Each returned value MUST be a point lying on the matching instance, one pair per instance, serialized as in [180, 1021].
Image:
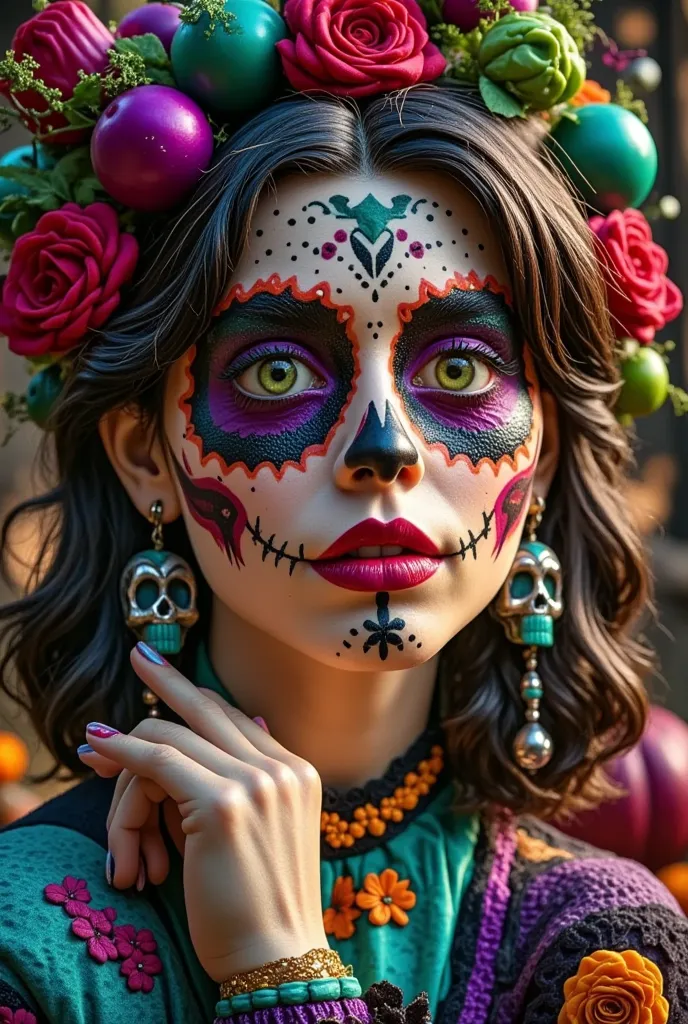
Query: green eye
[455, 373]
[277, 376]
[458, 372]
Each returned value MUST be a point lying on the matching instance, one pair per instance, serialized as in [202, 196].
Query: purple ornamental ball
[160, 19]
[151, 146]
[466, 14]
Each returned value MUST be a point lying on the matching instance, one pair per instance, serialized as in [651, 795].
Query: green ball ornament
[43, 391]
[645, 384]
[235, 68]
[608, 154]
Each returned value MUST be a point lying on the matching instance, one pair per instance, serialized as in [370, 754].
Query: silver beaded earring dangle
[158, 593]
[527, 606]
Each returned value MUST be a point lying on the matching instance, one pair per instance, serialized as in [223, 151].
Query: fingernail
[149, 654]
[259, 720]
[141, 877]
[102, 732]
[109, 868]
[85, 748]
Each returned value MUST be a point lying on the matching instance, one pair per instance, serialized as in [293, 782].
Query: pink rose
[64, 39]
[358, 47]
[640, 296]
[64, 279]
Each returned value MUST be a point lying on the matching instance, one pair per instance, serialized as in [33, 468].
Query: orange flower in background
[615, 988]
[590, 92]
[339, 918]
[386, 898]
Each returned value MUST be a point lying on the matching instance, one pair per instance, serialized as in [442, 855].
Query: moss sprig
[460, 49]
[578, 17]
[217, 15]
[625, 97]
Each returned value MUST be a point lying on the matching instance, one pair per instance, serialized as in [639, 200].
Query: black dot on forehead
[370, 323]
[429, 216]
[375, 335]
[365, 284]
[351, 266]
[275, 213]
[293, 259]
[481, 246]
[303, 209]
[379, 323]
[464, 231]
[448, 213]
[259, 232]
[304, 245]
[311, 220]
[253, 488]
[268, 252]
[291, 222]
[435, 205]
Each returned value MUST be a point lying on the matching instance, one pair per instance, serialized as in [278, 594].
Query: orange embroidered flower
[386, 898]
[615, 988]
[590, 92]
[339, 918]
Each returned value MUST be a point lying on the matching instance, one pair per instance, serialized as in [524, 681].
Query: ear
[548, 460]
[136, 451]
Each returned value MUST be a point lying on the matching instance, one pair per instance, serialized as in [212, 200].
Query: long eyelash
[247, 359]
[509, 369]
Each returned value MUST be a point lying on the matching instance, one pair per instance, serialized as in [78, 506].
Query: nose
[380, 451]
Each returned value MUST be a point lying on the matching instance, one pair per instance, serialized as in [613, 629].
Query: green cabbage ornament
[528, 62]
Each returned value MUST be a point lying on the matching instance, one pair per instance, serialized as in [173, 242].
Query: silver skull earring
[528, 604]
[158, 594]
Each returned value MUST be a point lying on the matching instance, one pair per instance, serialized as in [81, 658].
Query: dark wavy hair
[65, 638]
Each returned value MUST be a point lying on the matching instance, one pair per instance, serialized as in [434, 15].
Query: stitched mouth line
[281, 554]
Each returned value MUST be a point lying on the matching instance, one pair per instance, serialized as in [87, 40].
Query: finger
[101, 765]
[124, 835]
[123, 781]
[232, 731]
[199, 749]
[153, 849]
[266, 744]
[179, 776]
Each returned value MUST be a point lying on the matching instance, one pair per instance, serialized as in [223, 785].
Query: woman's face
[354, 441]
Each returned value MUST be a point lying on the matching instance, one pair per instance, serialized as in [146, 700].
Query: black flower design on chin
[382, 633]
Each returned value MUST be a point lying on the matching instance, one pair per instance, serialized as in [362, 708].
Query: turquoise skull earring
[528, 605]
[158, 593]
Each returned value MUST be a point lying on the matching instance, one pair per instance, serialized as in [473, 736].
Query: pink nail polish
[259, 720]
[100, 731]
[141, 877]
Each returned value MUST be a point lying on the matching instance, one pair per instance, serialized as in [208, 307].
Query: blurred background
[660, 490]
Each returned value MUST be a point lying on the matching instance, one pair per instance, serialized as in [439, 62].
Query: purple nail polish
[141, 877]
[149, 654]
[109, 868]
[100, 731]
[259, 720]
[85, 748]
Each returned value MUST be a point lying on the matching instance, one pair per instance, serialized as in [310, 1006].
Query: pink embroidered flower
[138, 971]
[96, 929]
[129, 941]
[358, 47]
[72, 894]
[8, 1016]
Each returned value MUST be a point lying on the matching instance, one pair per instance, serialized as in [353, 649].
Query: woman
[361, 362]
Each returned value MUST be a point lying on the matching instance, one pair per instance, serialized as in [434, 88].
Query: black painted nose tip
[382, 448]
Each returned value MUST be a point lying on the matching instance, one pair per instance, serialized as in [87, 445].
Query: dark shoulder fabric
[12, 1004]
[84, 809]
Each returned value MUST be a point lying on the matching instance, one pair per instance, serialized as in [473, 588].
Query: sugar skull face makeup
[354, 440]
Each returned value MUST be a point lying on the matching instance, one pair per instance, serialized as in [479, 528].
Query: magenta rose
[358, 47]
[64, 39]
[640, 296]
[64, 279]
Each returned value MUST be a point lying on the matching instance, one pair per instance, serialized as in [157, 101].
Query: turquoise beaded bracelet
[292, 993]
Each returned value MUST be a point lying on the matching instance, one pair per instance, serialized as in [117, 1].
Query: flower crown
[125, 119]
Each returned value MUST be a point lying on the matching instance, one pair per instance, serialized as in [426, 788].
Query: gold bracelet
[316, 963]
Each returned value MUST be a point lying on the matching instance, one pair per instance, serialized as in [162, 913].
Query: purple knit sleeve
[344, 1010]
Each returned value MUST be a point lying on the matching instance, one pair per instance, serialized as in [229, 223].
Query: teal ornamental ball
[24, 158]
[235, 68]
[42, 393]
[608, 154]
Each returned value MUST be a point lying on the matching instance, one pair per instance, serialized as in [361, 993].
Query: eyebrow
[278, 312]
[477, 311]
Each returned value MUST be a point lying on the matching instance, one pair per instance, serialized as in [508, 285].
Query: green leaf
[87, 191]
[75, 165]
[88, 92]
[29, 177]
[161, 76]
[498, 100]
[24, 222]
[147, 46]
[78, 118]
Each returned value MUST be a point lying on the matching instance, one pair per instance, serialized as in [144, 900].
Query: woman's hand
[249, 812]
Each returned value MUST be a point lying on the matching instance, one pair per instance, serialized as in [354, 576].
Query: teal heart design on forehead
[371, 216]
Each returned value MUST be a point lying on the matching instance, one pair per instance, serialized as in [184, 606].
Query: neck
[348, 725]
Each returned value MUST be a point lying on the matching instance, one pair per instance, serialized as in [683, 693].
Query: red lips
[420, 560]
